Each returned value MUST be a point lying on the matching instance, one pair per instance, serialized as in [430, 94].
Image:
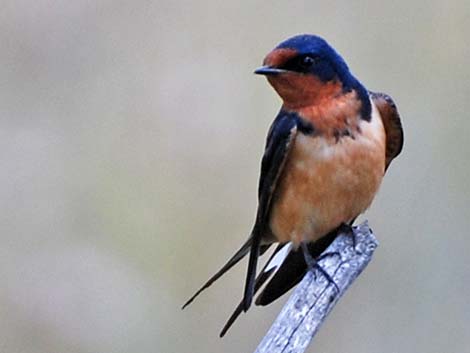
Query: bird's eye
[302, 63]
[307, 61]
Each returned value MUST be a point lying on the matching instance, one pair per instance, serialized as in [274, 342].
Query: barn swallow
[325, 156]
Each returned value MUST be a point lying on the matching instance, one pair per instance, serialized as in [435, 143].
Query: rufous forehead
[280, 56]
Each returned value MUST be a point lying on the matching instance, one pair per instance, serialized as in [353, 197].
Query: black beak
[268, 70]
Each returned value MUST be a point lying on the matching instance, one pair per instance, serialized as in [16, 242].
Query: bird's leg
[312, 264]
[348, 230]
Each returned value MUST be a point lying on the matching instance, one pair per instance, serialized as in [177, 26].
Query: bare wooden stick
[314, 296]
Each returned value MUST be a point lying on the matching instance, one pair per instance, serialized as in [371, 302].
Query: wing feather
[392, 124]
[280, 139]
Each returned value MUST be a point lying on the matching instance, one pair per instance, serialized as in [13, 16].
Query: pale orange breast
[327, 182]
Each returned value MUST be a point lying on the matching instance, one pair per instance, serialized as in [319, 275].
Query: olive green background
[130, 139]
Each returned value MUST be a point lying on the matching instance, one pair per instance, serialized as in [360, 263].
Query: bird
[325, 156]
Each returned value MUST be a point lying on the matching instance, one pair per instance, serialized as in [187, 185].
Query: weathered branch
[314, 296]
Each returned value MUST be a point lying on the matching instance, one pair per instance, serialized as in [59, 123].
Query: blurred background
[130, 140]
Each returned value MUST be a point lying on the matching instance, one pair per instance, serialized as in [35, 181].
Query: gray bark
[315, 296]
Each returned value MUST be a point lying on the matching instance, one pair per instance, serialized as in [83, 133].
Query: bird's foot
[348, 230]
[312, 264]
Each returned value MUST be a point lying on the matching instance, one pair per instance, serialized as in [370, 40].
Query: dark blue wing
[280, 136]
[280, 139]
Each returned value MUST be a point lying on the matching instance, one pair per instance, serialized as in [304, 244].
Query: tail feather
[240, 254]
[264, 275]
[284, 269]
[251, 273]
[292, 270]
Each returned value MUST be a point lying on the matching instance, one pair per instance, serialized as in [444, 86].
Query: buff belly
[327, 182]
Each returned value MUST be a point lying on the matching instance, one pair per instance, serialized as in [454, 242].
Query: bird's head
[305, 70]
